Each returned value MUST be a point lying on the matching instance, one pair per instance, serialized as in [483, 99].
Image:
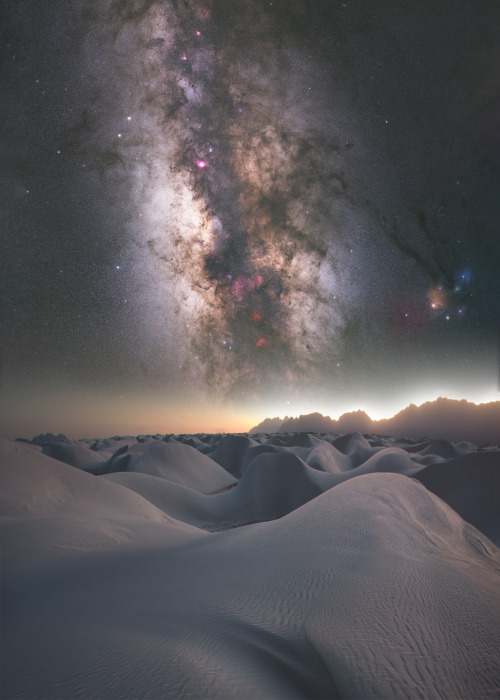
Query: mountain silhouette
[443, 418]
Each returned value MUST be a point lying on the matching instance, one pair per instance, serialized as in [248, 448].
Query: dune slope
[373, 588]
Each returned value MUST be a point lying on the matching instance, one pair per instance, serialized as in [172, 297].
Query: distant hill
[443, 418]
[313, 422]
[270, 425]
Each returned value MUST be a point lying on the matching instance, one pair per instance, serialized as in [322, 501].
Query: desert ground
[253, 567]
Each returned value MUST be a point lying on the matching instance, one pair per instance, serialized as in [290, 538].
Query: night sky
[218, 211]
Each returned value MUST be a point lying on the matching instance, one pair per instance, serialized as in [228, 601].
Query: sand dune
[355, 579]
[175, 462]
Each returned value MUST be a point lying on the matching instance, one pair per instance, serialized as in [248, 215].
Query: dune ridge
[252, 566]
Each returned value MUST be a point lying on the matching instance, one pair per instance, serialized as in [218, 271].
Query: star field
[218, 208]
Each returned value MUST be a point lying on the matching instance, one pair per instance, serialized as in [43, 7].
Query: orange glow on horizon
[77, 414]
[83, 415]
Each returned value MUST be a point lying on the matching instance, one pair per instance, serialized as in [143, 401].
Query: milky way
[256, 191]
[291, 206]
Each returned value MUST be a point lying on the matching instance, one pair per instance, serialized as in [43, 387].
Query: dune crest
[281, 566]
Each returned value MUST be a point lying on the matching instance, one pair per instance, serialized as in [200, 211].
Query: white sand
[370, 586]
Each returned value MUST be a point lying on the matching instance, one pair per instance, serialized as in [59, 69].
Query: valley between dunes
[264, 566]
